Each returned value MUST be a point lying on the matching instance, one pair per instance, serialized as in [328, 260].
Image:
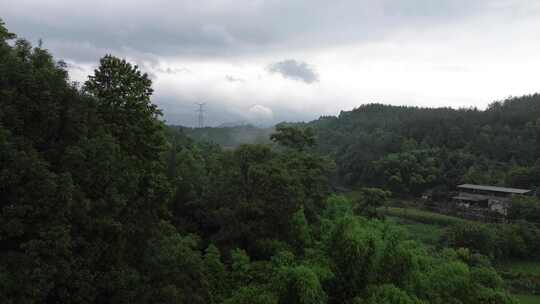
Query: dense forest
[101, 203]
[410, 150]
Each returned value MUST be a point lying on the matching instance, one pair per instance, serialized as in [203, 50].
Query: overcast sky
[269, 61]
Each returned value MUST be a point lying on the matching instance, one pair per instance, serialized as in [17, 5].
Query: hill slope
[413, 149]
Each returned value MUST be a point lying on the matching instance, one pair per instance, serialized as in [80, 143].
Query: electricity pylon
[200, 110]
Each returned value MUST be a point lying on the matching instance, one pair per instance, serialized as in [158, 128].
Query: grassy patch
[527, 299]
[422, 216]
[522, 277]
[423, 226]
[353, 195]
[525, 267]
[425, 233]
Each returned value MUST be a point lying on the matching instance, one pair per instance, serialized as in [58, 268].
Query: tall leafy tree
[123, 94]
[293, 137]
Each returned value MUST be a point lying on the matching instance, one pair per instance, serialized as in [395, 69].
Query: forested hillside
[100, 203]
[410, 150]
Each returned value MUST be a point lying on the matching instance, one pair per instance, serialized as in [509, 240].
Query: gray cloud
[392, 46]
[296, 70]
[87, 30]
[75, 66]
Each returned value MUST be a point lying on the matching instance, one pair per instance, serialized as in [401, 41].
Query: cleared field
[423, 226]
[422, 216]
[527, 299]
[428, 234]
[525, 267]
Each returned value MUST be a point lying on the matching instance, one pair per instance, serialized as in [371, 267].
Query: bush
[498, 241]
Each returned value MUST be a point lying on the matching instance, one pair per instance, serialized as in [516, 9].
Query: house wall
[498, 206]
[496, 201]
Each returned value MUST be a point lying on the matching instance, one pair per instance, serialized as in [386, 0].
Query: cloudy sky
[265, 61]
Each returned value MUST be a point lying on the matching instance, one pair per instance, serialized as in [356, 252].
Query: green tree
[300, 231]
[293, 137]
[303, 287]
[525, 208]
[37, 248]
[477, 237]
[354, 252]
[252, 295]
[371, 200]
[240, 267]
[388, 294]
[123, 101]
[216, 274]
[175, 269]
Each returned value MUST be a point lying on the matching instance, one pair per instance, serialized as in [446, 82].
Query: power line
[200, 110]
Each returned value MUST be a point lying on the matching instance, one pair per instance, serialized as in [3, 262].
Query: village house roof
[494, 189]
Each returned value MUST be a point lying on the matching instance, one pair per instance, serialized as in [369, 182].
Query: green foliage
[300, 231]
[293, 137]
[252, 295]
[429, 234]
[303, 287]
[499, 241]
[355, 252]
[525, 208]
[78, 202]
[123, 94]
[240, 267]
[409, 150]
[250, 197]
[388, 294]
[372, 199]
[216, 274]
[4, 33]
[409, 172]
[474, 236]
[337, 207]
[175, 268]
[372, 261]
[522, 266]
[449, 282]
[527, 299]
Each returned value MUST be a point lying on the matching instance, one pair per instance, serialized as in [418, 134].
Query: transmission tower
[200, 110]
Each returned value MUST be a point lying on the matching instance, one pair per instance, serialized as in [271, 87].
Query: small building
[496, 199]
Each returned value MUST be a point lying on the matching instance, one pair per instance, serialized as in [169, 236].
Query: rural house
[491, 198]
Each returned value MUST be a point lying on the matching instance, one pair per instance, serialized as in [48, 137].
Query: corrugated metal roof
[494, 189]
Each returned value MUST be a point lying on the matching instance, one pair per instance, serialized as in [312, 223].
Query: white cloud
[260, 114]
